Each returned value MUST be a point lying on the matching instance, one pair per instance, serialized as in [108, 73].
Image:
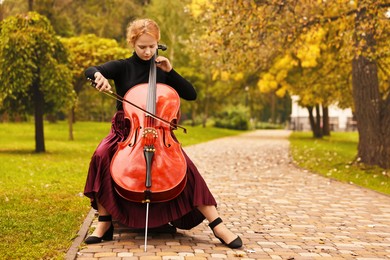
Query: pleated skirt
[182, 211]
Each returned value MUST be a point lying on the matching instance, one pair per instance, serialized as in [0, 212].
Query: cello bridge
[150, 132]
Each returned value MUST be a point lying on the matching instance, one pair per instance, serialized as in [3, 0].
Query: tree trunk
[372, 112]
[318, 129]
[1, 12]
[38, 114]
[314, 122]
[30, 5]
[325, 121]
[273, 107]
[172, 50]
[193, 114]
[70, 123]
[206, 110]
[206, 103]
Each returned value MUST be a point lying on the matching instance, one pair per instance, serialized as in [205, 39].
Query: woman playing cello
[195, 203]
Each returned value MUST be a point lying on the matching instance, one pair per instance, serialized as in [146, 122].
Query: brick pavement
[280, 211]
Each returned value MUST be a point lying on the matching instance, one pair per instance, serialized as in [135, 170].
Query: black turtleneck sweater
[132, 71]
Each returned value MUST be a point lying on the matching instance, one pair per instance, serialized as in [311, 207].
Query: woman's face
[145, 46]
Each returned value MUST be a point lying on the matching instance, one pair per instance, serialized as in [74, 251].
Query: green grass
[199, 134]
[41, 201]
[335, 157]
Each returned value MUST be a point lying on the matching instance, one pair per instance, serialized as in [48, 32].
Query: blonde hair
[140, 27]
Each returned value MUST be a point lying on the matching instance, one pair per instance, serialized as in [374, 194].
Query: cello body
[150, 164]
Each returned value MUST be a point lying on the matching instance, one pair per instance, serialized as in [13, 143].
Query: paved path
[280, 211]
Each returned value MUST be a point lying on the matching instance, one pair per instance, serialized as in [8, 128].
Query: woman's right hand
[102, 83]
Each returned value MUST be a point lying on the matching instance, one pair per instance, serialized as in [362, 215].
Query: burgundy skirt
[182, 211]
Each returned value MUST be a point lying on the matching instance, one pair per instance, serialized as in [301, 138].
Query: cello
[149, 166]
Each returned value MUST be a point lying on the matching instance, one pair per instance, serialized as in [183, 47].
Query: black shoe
[108, 235]
[236, 243]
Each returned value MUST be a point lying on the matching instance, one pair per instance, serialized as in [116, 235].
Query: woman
[195, 202]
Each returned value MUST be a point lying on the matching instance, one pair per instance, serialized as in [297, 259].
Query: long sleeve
[90, 72]
[110, 69]
[181, 85]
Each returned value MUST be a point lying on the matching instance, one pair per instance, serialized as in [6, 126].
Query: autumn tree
[312, 71]
[371, 95]
[34, 76]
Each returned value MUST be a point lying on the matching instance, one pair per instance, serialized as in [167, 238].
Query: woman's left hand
[163, 63]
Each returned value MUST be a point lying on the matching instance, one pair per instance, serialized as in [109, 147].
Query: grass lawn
[41, 201]
[335, 157]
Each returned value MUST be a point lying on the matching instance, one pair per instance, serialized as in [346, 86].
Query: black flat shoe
[236, 243]
[107, 236]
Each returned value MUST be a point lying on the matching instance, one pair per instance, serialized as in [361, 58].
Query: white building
[339, 119]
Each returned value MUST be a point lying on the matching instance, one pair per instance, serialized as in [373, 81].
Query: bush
[234, 117]
[267, 125]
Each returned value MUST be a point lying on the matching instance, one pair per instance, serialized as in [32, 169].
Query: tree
[85, 51]
[312, 71]
[372, 103]
[33, 71]
[173, 33]
[107, 19]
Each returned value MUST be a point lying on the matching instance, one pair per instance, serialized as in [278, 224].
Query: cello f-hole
[164, 138]
[135, 137]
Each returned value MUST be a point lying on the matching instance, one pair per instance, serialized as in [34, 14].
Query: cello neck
[152, 86]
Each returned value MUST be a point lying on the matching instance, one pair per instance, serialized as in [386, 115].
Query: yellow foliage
[262, 85]
[281, 92]
[308, 52]
[197, 7]
[273, 84]
[281, 75]
[238, 76]
[310, 49]
[225, 76]
[222, 75]
[285, 85]
[267, 83]
[285, 62]
[215, 75]
[309, 55]
[274, 79]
